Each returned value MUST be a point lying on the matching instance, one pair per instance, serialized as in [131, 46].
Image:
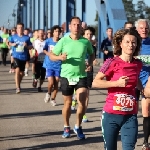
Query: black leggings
[4, 55]
[39, 71]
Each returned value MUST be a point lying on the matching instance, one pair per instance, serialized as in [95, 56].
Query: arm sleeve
[28, 42]
[45, 46]
[107, 67]
[11, 40]
[89, 48]
[102, 45]
[58, 47]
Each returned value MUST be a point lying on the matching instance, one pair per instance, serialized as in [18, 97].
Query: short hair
[39, 30]
[27, 29]
[20, 24]
[89, 28]
[54, 28]
[128, 22]
[35, 30]
[75, 17]
[118, 37]
[109, 28]
[142, 20]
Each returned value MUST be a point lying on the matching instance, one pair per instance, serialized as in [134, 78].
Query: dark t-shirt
[107, 45]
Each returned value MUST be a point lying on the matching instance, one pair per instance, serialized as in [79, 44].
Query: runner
[88, 34]
[52, 68]
[21, 44]
[39, 56]
[12, 69]
[128, 25]
[121, 73]
[106, 46]
[4, 45]
[72, 50]
[48, 33]
[143, 27]
[26, 32]
[32, 53]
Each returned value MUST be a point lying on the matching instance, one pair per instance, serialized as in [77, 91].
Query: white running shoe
[47, 98]
[26, 74]
[53, 102]
[10, 71]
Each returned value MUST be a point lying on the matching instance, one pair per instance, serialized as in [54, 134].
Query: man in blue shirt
[52, 67]
[21, 44]
[106, 46]
[143, 28]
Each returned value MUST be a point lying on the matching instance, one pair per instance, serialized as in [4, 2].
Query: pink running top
[121, 100]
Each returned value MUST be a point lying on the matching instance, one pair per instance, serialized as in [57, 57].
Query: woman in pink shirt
[122, 75]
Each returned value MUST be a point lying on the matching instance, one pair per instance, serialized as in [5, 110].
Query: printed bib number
[123, 102]
[41, 57]
[20, 48]
[145, 59]
[73, 81]
[51, 47]
[110, 48]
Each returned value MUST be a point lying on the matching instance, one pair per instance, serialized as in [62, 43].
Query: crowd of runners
[68, 58]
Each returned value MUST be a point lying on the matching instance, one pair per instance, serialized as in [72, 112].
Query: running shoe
[79, 133]
[53, 102]
[74, 103]
[34, 84]
[84, 119]
[26, 74]
[145, 146]
[66, 133]
[10, 71]
[39, 89]
[17, 90]
[47, 98]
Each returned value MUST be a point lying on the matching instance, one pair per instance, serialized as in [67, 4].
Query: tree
[140, 11]
[130, 10]
[147, 12]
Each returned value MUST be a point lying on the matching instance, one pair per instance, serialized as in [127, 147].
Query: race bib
[51, 47]
[145, 59]
[110, 48]
[20, 48]
[33, 51]
[73, 81]
[4, 40]
[123, 102]
[41, 57]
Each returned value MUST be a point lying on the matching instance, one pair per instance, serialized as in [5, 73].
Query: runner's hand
[63, 57]
[24, 44]
[122, 82]
[89, 68]
[14, 44]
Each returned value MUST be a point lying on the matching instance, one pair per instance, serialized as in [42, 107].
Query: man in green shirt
[72, 51]
[4, 46]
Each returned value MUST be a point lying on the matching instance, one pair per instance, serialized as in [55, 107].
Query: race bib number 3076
[123, 102]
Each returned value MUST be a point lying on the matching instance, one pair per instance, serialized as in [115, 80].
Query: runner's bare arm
[100, 82]
[54, 57]
[91, 59]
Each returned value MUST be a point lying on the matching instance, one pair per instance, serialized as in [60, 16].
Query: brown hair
[118, 37]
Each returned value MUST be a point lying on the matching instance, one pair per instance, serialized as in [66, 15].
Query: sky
[7, 6]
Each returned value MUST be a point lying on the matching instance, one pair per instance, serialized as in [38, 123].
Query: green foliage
[129, 9]
[136, 11]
